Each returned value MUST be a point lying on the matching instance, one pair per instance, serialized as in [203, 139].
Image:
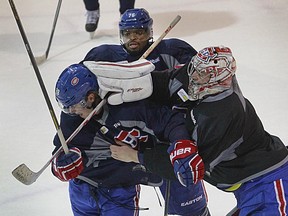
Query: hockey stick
[25, 175]
[167, 197]
[22, 172]
[41, 59]
[168, 29]
[234, 212]
[39, 78]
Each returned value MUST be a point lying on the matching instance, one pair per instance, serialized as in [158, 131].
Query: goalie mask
[73, 85]
[210, 72]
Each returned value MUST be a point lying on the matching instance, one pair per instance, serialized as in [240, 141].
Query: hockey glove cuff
[188, 165]
[68, 166]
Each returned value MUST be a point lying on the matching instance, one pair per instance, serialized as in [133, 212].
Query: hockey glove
[126, 81]
[125, 90]
[188, 165]
[68, 166]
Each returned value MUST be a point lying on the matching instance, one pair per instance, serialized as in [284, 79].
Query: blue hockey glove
[68, 166]
[188, 165]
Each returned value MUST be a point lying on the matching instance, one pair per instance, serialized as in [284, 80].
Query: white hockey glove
[127, 81]
[125, 90]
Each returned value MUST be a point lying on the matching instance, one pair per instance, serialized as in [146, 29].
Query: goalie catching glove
[126, 81]
[68, 166]
[188, 165]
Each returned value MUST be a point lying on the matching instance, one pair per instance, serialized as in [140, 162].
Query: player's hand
[124, 152]
[188, 165]
[68, 166]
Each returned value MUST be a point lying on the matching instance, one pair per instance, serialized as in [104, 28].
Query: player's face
[85, 106]
[82, 109]
[200, 77]
[135, 39]
[198, 73]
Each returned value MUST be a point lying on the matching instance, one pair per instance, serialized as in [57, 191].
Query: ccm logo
[183, 151]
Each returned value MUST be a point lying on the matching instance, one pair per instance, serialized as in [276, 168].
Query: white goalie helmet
[210, 72]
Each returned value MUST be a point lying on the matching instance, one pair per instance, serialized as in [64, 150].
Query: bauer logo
[74, 81]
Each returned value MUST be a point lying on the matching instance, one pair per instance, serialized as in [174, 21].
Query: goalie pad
[120, 70]
[125, 90]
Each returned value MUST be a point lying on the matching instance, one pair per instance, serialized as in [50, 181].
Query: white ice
[256, 30]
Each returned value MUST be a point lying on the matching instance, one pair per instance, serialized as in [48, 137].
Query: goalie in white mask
[239, 155]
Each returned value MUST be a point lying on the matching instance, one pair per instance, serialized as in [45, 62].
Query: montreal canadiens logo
[74, 81]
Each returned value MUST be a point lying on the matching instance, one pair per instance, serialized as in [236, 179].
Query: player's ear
[90, 97]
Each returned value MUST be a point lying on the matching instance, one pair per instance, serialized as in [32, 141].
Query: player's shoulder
[174, 45]
[173, 42]
[70, 119]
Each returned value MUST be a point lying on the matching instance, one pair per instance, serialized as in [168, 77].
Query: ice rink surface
[255, 30]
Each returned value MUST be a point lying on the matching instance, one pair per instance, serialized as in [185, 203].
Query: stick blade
[23, 174]
[40, 59]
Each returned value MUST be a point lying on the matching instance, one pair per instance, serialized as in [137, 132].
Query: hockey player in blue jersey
[136, 35]
[99, 184]
[239, 155]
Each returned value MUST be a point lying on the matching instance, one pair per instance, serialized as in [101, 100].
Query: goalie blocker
[127, 82]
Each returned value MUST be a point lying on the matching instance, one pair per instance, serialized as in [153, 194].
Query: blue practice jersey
[100, 168]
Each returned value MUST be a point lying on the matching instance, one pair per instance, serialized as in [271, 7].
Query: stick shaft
[234, 212]
[38, 75]
[167, 197]
[84, 122]
[76, 131]
[53, 27]
[168, 29]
